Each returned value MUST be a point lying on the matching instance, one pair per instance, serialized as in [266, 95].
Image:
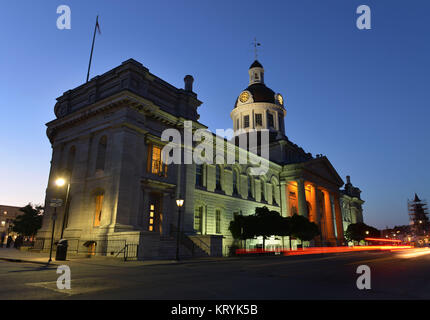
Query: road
[331, 276]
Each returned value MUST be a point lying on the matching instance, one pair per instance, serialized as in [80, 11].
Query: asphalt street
[394, 275]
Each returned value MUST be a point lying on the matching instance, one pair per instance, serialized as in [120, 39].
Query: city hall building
[106, 144]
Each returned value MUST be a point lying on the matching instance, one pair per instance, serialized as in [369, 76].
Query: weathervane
[256, 44]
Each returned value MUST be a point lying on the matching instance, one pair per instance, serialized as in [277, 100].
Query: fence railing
[187, 242]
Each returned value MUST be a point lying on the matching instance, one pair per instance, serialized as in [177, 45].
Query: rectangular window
[270, 121]
[199, 175]
[198, 217]
[237, 124]
[246, 121]
[155, 161]
[218, 221]
[98, 213]
[258, 119]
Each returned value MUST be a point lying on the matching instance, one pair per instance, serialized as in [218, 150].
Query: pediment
[323, 168]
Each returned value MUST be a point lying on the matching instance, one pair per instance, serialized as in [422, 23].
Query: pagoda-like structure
[418, 215]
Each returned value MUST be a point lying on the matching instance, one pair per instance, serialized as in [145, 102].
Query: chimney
[189, 83]
[348, 179]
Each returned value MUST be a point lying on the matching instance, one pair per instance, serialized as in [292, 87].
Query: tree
[268, 223]
[359, 231]
[29, 222]
[302, 228]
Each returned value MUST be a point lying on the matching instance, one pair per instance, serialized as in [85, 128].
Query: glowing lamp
[180, 202]
[60, 182]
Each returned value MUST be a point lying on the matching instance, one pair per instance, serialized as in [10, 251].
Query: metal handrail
[184, 238]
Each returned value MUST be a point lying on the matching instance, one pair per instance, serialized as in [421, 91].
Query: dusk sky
[360, 97]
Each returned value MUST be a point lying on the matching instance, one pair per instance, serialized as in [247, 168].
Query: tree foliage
[357, 232]
[266, 223]
[29, 222]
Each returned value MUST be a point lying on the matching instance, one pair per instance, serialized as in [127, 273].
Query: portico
[311, 190]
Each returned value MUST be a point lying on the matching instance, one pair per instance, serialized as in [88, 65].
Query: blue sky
[359, 97]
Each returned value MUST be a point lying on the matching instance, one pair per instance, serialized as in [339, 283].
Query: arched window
[250, 180]
[235, 178]
[274, 194]
[262, 186]
[101, 153]
[98, 209]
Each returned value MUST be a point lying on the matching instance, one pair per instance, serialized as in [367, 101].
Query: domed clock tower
[259, 107]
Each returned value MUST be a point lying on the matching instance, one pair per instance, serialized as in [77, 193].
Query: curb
[26, 261]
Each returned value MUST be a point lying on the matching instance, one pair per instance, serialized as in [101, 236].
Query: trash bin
[61, 250]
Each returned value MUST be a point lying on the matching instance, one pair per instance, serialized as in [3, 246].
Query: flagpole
[92, 47]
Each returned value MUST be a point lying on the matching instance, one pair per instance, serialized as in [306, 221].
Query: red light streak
[382, 240]
[319, 250]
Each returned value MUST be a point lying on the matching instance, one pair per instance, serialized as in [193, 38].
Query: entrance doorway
[155, 223]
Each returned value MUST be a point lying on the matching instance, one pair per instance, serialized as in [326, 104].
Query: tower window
[258, 119]
[270, 121]
[246, 121]
[237, 123]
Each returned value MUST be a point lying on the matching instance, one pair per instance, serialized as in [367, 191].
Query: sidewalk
[14, 255]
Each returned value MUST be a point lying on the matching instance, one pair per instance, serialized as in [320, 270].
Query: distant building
[106, 139]
[7, 215]
[351, 204]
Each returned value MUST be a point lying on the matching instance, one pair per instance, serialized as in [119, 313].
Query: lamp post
[55, 203]
[179, 203]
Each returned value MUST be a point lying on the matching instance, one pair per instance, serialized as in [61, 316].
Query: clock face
[244, 96]
[280, 100]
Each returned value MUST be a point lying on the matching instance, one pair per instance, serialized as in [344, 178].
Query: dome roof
[260, 93]
[256, 64]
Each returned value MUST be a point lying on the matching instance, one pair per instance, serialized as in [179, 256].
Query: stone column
[328, 217]
[315, 205]
[287, 201]
[301, 197]
[338, 215]
[284, 199]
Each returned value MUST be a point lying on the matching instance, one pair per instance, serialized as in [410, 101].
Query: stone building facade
[351, 204]
[106, 143]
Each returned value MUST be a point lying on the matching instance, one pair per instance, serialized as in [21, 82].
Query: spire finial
[256, 44]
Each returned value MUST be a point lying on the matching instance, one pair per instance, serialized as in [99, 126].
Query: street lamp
[179, 203]
[55, 203]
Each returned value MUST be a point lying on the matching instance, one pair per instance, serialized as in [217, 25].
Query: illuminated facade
[106, 141]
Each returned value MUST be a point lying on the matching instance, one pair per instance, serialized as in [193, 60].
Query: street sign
[56, 202]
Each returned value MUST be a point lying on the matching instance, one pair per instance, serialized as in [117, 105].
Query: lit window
[98, 212]
[156, 162]
[151, 217]
[3, 223]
